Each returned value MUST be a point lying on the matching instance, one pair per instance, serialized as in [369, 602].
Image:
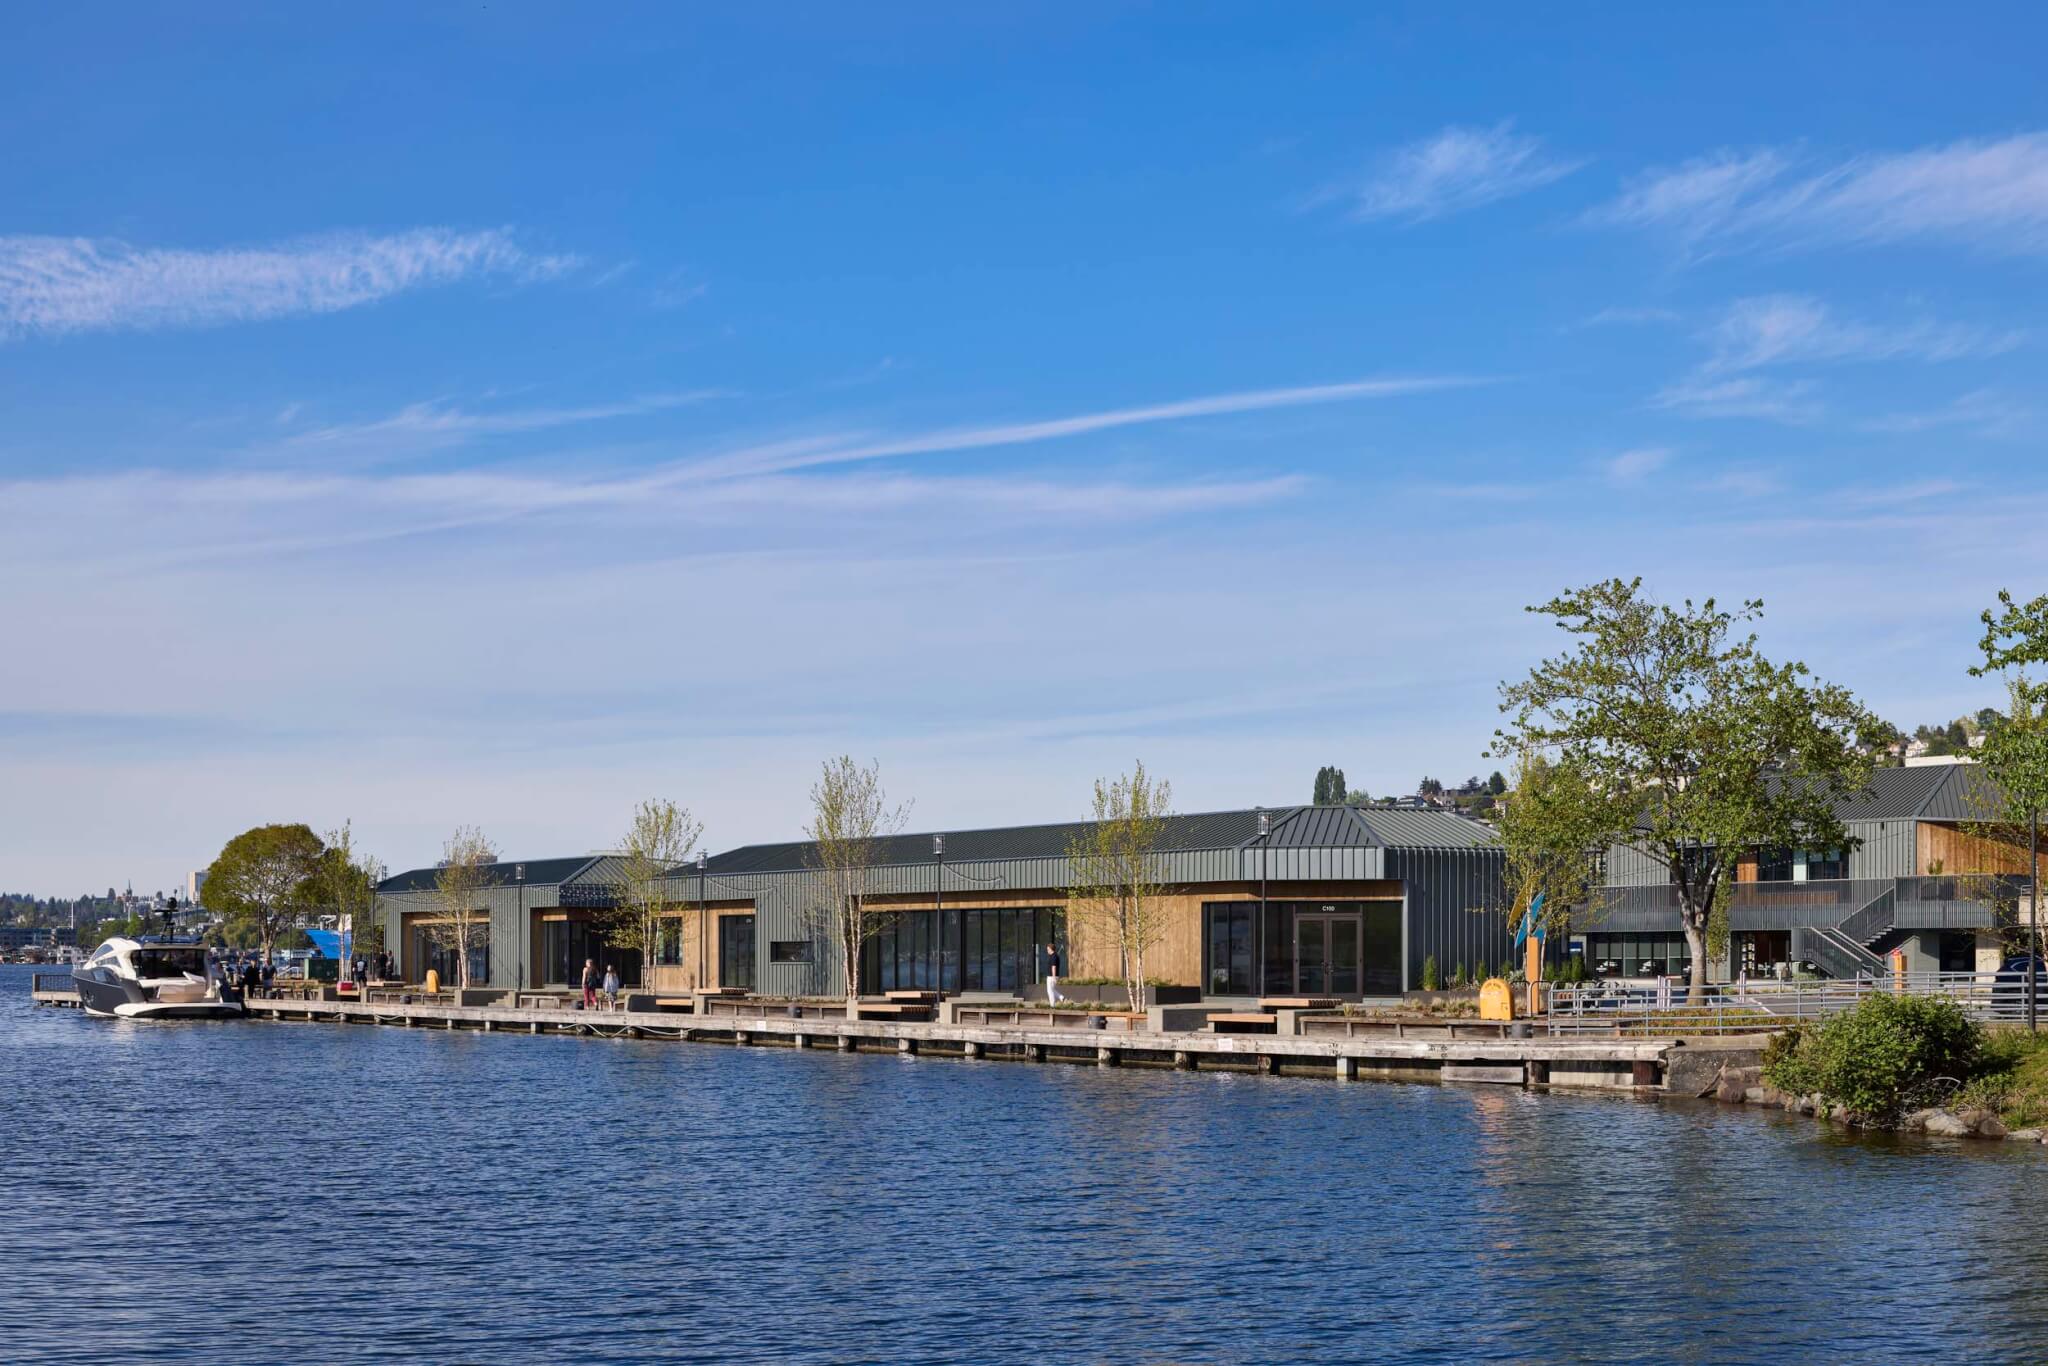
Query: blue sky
[499, 415]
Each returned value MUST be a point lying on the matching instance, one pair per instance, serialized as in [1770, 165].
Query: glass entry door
[1326, 955]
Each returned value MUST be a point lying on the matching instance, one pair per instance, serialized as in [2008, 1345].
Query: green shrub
[1879, 1058]
[1458, 976]
[1430, 980]
[1479, 971]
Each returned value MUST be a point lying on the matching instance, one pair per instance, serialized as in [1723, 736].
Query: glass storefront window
[565, 944]
[974, 949]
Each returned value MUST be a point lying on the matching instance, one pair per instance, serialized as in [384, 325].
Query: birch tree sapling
[1686, 742]
[459, 885]
[1115, 890]
[661, 836]
[850, 816]
[264, 880]
[346, 884]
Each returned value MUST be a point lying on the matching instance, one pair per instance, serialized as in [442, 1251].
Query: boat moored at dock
[142, 979]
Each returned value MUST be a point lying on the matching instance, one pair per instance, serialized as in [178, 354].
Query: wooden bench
[688, 1003]
[914, 997]
[1243, 1022]
[1299, 1003]
[895, 1010]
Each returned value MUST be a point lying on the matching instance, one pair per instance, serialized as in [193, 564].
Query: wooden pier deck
[1562, 1062]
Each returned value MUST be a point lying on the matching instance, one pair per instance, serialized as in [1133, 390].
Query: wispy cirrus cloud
[1781, 329]
[1985, 411]
[250, 511]
[1452, 171]
[52, 286]
[421, 427]
[808, 452]
[1988, 194]
[1634, 466]
[1794, 402]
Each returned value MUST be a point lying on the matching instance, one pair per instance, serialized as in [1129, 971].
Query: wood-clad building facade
[1340, 901]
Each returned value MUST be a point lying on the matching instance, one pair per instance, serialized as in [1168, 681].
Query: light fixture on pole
[939, 910]
[1259, 934]
[703, 930]
[519, 940]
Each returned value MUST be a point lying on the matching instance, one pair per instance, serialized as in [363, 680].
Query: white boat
[144, 979]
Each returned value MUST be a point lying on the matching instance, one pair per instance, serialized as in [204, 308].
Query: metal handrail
[1874, 921]
[1731, 1007]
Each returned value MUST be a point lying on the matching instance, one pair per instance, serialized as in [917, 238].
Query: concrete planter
[1118, 997]
[1423, 998]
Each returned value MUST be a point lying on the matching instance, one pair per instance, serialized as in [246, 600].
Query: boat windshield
[157, 961]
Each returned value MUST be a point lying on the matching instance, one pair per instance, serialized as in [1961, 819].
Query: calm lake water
[248, 1191]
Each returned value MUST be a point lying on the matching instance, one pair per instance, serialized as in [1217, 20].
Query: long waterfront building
[1326, 901]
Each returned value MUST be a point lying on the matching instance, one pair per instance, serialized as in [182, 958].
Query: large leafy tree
[1552, 838]
[2015, 749]
[1685, 741]
[266, 879]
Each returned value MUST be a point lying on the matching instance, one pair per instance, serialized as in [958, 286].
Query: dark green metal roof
[1298, 827]
[504, 873]
[1928, 792]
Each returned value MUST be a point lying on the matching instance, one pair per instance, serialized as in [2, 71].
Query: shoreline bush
[1887, 1055]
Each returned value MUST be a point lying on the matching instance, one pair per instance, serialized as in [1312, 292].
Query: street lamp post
[939, 911]
[1259, 935]
[519, 939]
[703, 929]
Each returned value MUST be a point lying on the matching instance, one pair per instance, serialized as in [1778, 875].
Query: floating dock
[1558, 1062]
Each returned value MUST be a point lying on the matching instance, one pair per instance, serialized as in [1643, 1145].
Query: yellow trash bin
[1496, 1002]
[433, 982]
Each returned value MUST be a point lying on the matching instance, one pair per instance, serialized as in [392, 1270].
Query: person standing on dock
[611, 987]
[1052, 974]
[589, 984]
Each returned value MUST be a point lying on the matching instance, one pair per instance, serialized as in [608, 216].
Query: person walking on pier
[611, 987]
[589, 984]
[1052, 974]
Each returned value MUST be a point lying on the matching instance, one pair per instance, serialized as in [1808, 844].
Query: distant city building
[194, 882]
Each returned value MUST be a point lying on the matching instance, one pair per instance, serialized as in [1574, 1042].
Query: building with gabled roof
[1337, 901]
[1927, 873]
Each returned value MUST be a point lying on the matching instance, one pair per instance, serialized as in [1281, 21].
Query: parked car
[2009, 987]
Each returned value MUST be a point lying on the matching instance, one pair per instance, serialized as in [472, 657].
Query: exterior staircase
[1850, 948]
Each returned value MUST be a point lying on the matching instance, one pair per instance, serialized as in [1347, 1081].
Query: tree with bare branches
[661, 836]
[850, 816]
[1115, 889]
[345, 883]
[459, 885]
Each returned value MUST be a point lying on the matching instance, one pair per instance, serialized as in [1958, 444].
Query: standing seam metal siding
[1889, 849]
[1456, 908]
[1629, 866]
[503, 904]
